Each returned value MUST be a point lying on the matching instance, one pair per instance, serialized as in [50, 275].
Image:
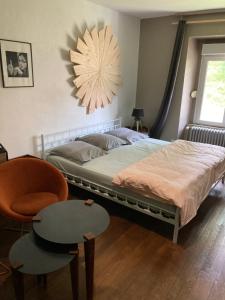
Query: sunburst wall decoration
[96, 68]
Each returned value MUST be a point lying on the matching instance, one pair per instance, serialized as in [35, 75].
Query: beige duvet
[182, 172]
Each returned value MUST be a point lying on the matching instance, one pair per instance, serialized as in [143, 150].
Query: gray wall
[155, 50]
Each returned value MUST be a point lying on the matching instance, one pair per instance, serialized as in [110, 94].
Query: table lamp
[137, 114]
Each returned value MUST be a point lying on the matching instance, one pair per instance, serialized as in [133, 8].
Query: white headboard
[52, 140]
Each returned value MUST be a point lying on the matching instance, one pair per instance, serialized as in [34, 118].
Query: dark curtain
[156, 130]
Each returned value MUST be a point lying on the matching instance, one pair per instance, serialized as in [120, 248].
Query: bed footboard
[165, 212]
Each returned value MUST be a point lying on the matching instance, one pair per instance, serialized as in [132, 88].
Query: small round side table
[28, 257]
[72, 222]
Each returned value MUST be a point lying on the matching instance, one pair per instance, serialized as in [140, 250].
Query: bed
[97, 174]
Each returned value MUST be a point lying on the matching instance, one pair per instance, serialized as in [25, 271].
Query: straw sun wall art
[97, 75]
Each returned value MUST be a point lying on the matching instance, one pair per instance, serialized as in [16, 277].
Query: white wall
[52, 26]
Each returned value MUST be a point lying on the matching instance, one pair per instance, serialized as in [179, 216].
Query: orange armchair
[27, 185]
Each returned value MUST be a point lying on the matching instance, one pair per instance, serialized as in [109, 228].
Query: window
[210, 102]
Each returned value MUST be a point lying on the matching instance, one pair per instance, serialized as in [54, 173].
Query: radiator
[205, 134]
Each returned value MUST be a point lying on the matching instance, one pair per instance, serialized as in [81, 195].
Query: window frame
[201, 86]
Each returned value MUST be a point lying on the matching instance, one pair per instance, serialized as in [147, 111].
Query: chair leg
[21, 229]
[5, 268]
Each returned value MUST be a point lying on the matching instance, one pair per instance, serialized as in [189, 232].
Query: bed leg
[176, 225]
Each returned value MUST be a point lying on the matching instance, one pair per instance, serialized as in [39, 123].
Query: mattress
[104, 168]
[101, 170]
[182, 172]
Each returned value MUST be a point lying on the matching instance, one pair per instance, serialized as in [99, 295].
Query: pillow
[78, 151]
[128, 135]
[104, 141]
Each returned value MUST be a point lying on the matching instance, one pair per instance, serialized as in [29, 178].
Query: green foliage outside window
[215, 83]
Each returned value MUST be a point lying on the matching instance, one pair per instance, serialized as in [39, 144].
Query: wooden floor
[136, 260]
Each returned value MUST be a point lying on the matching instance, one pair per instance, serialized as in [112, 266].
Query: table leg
[18, 283]
[89, 248]
[74, 273]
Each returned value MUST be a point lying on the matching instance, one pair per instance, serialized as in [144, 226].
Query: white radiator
[205, 134]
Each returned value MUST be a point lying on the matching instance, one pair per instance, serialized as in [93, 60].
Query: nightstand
[3, 154]
[144, 129]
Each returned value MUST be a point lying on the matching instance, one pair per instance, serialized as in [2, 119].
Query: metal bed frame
[153, 207]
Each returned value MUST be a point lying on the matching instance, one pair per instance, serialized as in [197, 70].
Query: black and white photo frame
[16, 64]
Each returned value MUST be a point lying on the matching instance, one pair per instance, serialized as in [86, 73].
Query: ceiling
[158, 8]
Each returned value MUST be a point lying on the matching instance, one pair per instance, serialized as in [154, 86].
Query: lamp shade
[138, 113]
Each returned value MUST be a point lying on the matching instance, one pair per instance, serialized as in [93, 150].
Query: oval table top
[66, 222]
[34, 259]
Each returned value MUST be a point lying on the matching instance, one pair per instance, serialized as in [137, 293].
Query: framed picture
[16, 64]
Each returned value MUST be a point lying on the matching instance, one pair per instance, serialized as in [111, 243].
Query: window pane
[213, 103]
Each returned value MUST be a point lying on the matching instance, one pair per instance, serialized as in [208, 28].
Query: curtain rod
[191, 22]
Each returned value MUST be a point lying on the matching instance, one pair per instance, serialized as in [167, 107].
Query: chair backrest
[27, 175]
